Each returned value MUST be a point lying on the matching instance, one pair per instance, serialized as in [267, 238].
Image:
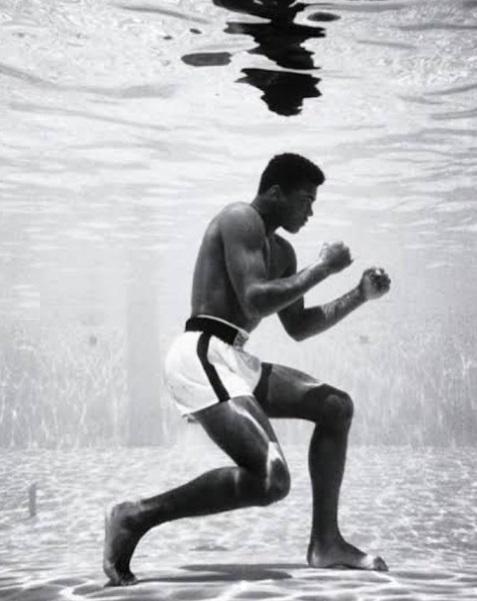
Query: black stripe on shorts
[261, 389]
[211, 372]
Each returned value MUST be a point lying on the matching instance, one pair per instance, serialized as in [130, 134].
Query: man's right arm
[243, 237]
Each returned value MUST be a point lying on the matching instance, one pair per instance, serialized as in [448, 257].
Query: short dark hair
[289, 170]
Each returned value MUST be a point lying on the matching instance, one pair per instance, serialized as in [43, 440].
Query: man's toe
[380, 565]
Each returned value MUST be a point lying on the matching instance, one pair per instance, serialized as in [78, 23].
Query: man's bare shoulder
[241, 218]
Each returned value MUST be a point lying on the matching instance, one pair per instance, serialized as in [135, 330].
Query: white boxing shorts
[207, 365]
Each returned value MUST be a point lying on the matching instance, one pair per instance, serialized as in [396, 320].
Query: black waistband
[224, 331]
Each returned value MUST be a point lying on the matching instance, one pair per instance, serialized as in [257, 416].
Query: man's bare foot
[120, 540]
[341, 554]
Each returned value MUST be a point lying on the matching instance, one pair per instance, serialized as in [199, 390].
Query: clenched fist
[335, 256]
[374, 283]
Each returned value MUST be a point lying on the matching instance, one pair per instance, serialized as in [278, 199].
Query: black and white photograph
[238, 317]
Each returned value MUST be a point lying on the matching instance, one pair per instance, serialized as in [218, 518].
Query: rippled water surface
[125, 125]
[418, 509]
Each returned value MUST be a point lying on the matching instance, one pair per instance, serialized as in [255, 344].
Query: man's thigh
[287, 392]
[241, 429]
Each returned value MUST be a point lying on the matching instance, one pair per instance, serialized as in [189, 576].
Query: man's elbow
[302, 328]
[298, 334]
[295, 329]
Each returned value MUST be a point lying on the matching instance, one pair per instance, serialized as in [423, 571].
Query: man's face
[297, 207]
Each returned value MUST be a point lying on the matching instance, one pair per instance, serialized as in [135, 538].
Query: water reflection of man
[244, 272]
[281, 41]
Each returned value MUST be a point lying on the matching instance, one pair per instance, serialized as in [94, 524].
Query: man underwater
[244, 272]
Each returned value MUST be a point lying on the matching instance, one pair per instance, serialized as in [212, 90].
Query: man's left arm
[301, 322]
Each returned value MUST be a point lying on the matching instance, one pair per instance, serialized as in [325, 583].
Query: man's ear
[276, 192]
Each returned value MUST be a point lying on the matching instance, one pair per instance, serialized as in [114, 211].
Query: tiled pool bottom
[415, 507]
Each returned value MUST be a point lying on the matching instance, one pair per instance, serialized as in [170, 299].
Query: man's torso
[212, 290]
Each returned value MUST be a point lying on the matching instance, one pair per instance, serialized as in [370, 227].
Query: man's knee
[276, 483]
[334, 408]
[338, 411]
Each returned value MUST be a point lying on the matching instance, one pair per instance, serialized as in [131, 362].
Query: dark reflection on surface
[280, 40]
[283, 91]
[266, 9]
[324, 17]
[207, 59]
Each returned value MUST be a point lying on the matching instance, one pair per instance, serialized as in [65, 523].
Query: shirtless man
[244, 272]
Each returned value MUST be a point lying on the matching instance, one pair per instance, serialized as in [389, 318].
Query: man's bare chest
[274, 258]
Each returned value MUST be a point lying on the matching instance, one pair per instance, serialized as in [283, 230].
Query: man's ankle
[148, 515]
[324, 541]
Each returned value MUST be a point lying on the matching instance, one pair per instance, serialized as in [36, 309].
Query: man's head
[291, 181]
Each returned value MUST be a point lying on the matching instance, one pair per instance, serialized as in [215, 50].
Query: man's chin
[294, 229]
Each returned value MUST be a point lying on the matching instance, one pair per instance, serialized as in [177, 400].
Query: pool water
[125, 125]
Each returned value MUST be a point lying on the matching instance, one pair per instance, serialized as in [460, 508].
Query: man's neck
[264, 208]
